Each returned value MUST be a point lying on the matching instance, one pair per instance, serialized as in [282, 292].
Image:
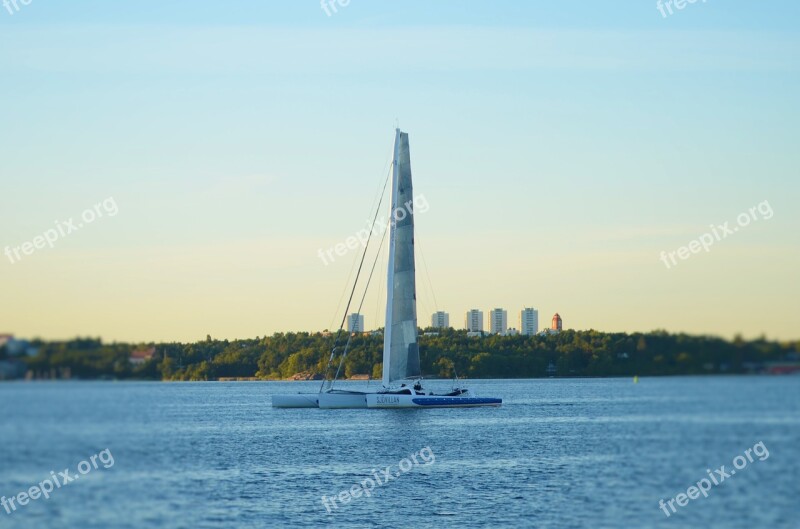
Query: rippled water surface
[559, 453]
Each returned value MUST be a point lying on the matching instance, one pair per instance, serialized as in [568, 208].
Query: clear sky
[561, 146]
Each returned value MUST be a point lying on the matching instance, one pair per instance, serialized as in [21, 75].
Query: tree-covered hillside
[282, 355]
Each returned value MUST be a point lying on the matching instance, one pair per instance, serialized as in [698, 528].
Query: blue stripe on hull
[456, 401]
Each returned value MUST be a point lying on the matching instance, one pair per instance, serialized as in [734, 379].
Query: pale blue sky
[561, 145]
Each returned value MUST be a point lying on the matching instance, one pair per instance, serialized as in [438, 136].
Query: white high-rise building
[474, 320]
[529, 321]
[498, 321]
[440, 320]
[355, 323]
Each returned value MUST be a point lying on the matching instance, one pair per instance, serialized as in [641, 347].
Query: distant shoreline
[445, 354]
[283, 381]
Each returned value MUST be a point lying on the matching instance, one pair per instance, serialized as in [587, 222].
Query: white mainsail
[400, 345]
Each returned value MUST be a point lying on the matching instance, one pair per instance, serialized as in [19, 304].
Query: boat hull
[350, 400]
[389, 400]
[342, 400]
[297, 400]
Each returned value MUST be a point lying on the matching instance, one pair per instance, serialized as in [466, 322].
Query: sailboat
[402, 377]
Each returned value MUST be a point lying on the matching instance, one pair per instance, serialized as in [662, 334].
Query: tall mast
[387, 330]
[400, 341]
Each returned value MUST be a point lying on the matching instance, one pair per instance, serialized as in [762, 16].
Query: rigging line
[380, 284]
[363, 296]
[430, 284]
[333, 319]
[369, 238]
[355, 256]
[344, 290]
[358, 275]
[389, 161]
